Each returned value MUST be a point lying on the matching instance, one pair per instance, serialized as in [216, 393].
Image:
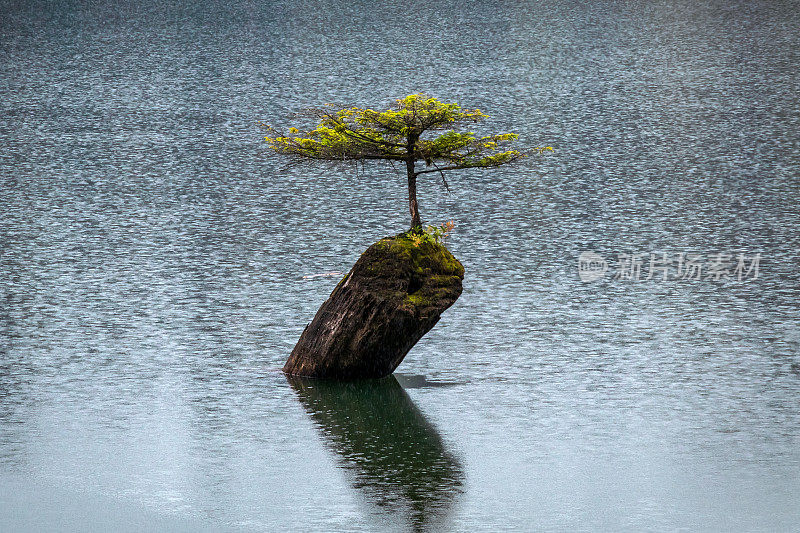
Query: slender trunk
[416, 223]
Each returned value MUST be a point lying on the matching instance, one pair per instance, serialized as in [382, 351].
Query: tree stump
[393, 295]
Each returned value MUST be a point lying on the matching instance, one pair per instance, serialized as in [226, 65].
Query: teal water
[152, 260]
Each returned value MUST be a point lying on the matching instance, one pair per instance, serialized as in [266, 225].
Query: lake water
[152, 259]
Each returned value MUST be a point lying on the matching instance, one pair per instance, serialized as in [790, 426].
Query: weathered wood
[394, 294]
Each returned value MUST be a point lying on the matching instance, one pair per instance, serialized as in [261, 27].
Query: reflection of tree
[396, 456]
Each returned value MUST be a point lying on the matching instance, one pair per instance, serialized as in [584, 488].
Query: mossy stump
[394, 294]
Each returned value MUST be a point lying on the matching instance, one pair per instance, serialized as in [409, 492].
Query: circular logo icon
[591, 266]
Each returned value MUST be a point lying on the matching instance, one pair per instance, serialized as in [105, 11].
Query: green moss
[418, 275]
[442, 280]
[419, 300]
[423, 258]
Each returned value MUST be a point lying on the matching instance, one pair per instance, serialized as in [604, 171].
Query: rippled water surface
[152, 260]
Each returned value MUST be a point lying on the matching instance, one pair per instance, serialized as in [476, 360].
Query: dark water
[152, 260]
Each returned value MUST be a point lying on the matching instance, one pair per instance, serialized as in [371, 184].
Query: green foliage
[430, 234]
[416, 128]
[406, 130]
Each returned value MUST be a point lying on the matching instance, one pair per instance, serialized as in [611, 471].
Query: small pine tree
[405, 133]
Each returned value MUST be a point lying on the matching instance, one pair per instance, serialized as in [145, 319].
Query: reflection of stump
[393, 296]
[396, 456]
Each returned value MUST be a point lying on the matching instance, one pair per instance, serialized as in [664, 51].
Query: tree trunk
[416, 223]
